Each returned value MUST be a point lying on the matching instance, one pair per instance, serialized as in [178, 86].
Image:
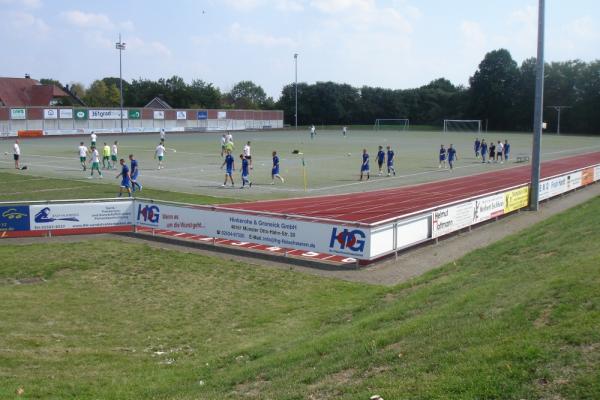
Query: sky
[396, 44]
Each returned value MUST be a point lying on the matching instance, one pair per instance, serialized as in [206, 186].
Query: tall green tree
[493, 89]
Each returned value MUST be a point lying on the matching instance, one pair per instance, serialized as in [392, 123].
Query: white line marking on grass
[43, 190]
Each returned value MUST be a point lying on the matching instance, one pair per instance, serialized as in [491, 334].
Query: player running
[83, 153]
[160, 154]
[245, 172]
[313, 132]
[95, 161]
[380, 160]
[364, 167]
[452, 157]
[442, 157]
[275, 169]
[114, 151]
[477, 147]
[390, 161]
[230, 167]
[106, 156]
[344, 131]
[125, 178]
[134, 172]
[93, 138]
[163, 134]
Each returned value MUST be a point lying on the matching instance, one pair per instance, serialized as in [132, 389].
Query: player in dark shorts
[492, 152]
[380, 160]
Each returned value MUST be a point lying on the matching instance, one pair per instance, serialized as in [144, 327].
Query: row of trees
[500, 92]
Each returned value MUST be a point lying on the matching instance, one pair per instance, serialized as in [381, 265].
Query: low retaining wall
[344, 241]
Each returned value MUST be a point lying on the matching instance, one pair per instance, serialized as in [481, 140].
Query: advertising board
[81, 114]
[221, 114]
[450, 219]
[181, 115]
[202, 115]
[277, 232]
[488, 207]
[106, 114]
[516, 199]
[14, 218]
[50, 113]
[159, 115]
[65, 113]
[18, 113]
[80, 215]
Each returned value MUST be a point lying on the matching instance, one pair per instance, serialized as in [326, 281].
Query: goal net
[393, 124]
[462, 125]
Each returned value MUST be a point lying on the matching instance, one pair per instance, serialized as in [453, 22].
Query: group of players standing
[494, 152]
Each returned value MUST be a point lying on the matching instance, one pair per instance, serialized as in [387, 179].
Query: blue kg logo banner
[148, 213]
[202, 114]
[353, 240]
[14, 218]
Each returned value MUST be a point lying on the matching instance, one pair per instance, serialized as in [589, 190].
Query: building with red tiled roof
[27, 92]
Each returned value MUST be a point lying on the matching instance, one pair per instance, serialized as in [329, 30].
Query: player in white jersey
[114, 152]
[223, 144]
[247, 154]
[344, 131]
[83, 153]
[16, 153]
[160, 154]
[229, 137]
[93, 138]
[162, 135]
[313, 132]
[95, 161]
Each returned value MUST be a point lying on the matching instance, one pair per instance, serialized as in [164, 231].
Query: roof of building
[23, 92]
[159, 103]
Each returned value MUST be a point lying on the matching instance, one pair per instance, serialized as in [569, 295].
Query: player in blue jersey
[380, 160]
[229, 164]
[442, 157]
[245, 171]
[506, 150]
[477, 147]
[364, 167]
[125, 178]
[275, 169]
[484, 150]
[390, 161]
[134, 173]
[452, 156]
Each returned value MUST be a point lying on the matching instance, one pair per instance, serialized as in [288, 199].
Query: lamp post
[296, 87]
[534, 200]
[120, 46]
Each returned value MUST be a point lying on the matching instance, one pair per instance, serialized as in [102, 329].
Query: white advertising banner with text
[276, 232]
[447, 220]
[81, 215]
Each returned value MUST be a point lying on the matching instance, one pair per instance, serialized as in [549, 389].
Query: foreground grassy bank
[22, 186]
[117, 320]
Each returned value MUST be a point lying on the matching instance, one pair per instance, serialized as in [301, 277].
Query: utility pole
[120, 46]
[558, 108]
[538, 113]
[296, 87]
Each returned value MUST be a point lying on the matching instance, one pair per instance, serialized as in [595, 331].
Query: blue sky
[392, 43]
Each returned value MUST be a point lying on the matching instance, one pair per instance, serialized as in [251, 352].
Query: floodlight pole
[534, 199]
[558, 108]
[120, 46]
[296, 87]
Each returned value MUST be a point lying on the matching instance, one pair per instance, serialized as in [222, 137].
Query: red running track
[379, 205]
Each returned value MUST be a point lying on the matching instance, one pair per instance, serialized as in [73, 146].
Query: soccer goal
[462, 125]
[393, 124]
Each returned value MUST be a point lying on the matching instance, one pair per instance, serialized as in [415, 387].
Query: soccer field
[332, 161]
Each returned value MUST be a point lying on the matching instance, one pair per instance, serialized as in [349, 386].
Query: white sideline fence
[360, 241]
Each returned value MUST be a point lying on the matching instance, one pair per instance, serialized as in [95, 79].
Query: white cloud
[28, 4]
[88, 20]
[252, 37]
[337, 6]
[289, 5]
[244, 5]
[473, 36]
[27, 22]
[582, 28]
[153, 48]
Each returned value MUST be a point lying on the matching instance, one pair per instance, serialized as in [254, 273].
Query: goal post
[462, 125]
[399, 124]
